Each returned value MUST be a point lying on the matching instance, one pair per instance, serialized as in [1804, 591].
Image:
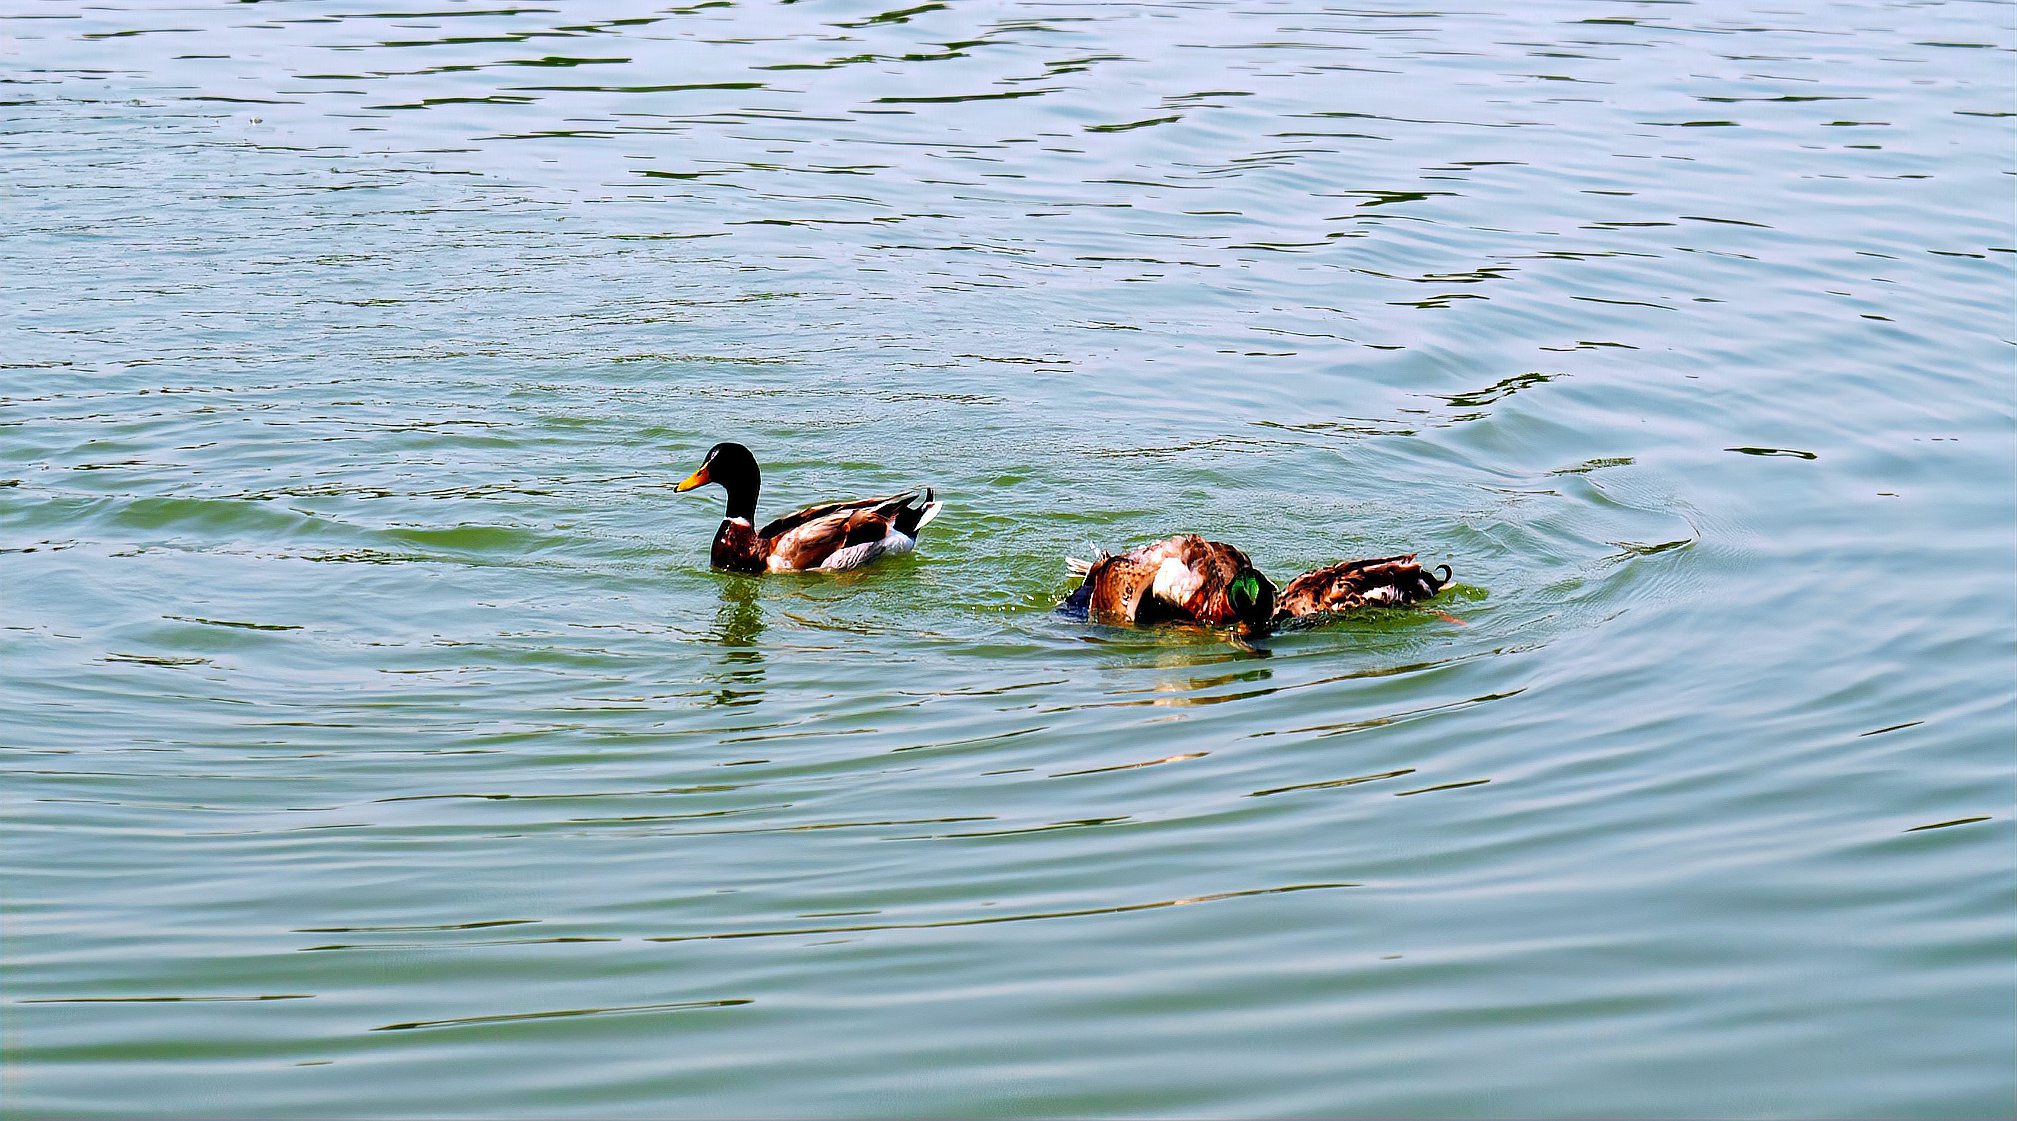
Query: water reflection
[738, 623]
[1192, 690]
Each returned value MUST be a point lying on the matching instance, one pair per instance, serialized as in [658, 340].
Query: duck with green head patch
[1183, 579]
[830, 537]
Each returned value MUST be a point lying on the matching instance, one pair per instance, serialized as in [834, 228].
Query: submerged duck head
[1252, 598]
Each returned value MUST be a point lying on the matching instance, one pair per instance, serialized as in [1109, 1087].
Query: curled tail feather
[910, 519]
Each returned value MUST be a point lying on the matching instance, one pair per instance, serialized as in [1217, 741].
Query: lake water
[379, 744]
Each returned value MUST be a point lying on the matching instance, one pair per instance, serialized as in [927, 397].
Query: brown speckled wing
[1384, 581]
[1216, 564]
[1119, 586]
[810, 544]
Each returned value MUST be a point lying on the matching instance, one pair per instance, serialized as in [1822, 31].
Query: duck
[1381, 582]
[830, 537]
[1183, 579]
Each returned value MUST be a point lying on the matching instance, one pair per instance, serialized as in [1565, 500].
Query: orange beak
[699, 478]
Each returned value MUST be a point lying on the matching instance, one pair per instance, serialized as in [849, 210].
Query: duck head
[1251, 595]
[730, 467]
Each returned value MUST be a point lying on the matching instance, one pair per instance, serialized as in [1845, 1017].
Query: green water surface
[379, 745]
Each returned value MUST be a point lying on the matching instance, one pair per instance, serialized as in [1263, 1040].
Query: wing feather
[817, 543]
[1119, 588]
[797, 518]
[1382, 581]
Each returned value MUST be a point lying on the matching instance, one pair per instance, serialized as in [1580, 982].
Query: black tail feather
[907, 518]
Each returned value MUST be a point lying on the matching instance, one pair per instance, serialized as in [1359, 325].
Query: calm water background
[379, 744]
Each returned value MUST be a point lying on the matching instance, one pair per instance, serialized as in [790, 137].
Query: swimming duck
[1183, 579]
[829, 537]
[1385, 582]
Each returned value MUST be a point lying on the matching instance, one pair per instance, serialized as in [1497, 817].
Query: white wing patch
[1175, 582]
[854, 556]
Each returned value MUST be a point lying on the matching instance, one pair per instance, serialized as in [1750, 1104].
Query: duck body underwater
[1182, 579]
[1187, 580]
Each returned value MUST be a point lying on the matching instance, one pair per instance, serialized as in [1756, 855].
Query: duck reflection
[1204, 689]
[738, 674]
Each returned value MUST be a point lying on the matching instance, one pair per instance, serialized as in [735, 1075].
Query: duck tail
[910, 519]
[1390, 581]
[1078, 567]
